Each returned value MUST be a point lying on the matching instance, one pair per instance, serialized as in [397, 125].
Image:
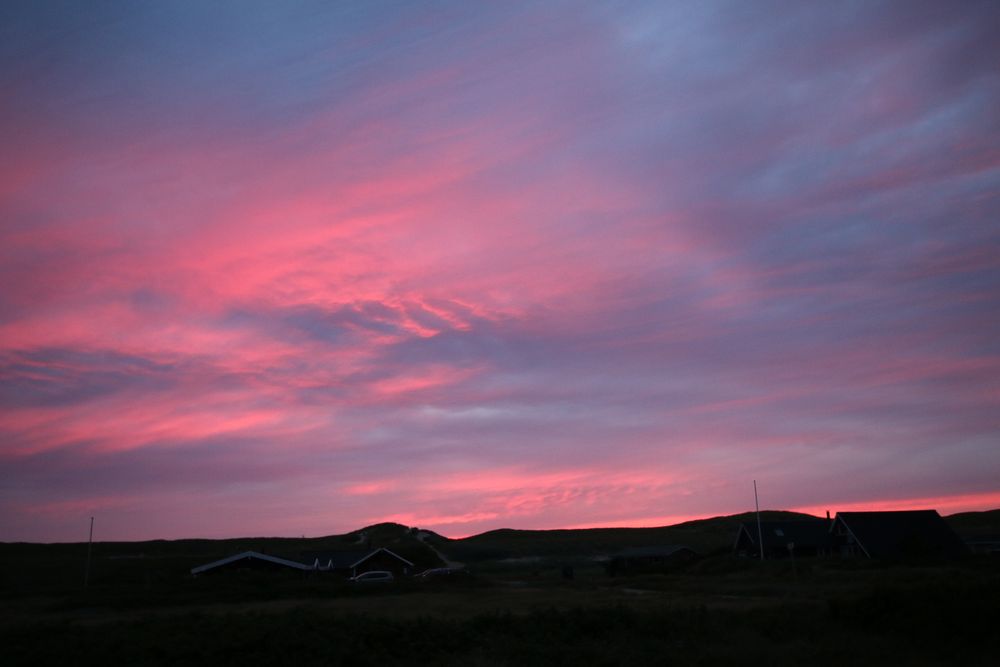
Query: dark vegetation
[706, 536]
[142, 607]
[976, 524]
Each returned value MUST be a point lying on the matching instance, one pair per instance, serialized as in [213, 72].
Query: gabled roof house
[805, 537]
[888, 535]
[353, 563]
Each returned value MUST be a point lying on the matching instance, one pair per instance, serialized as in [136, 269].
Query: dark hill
[387, 532]
[704, 535]
[37, 567]
[42, 568]
[975, 524]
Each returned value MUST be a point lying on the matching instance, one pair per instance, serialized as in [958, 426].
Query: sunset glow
[275, 268]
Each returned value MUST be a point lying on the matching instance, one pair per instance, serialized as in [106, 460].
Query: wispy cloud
[466, 267]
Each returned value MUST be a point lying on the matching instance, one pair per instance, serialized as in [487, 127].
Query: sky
[293, 268]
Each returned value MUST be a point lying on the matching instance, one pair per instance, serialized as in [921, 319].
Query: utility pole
[90, 544]
[760, 533]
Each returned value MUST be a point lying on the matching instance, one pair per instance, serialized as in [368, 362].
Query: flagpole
[760, 534]
[90, 543]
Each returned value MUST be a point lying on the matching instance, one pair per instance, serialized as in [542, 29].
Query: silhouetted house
[651, 559]
[353, 563]
[889, 535]
[250, 560]
[807, 537]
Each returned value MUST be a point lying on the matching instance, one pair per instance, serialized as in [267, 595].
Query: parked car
[373, 577]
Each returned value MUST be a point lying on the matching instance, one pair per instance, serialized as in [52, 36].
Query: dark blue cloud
[52, 377]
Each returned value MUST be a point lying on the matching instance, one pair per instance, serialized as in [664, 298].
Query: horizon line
[574, 527]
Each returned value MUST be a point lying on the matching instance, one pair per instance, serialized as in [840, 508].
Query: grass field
[143, 608]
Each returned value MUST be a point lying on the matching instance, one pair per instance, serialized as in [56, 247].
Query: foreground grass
[886, 628]
[767, 614]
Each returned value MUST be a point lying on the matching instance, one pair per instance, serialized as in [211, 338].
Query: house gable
[896, 534]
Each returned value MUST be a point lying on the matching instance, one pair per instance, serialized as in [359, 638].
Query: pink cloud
[497, 268]
[945, 505]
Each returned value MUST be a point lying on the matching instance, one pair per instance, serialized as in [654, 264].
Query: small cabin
[353, 563]
[895, 535]
[783, 539]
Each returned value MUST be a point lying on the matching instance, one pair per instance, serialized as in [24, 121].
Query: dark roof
[384, 550]
[250, 556]
[892, 534]
[804, 534]
[659, 551]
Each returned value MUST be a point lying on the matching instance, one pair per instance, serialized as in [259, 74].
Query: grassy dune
[143, 608]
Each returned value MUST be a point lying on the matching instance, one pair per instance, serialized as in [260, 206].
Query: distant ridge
[975, 524]
[735, 519]
[965, 524]
[704, 535]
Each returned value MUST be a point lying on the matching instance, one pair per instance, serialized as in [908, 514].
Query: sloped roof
[383, 549]
[804, 534]
[891, 534]
[346, 559]
[250, 555]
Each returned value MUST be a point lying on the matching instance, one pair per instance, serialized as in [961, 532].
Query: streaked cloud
[468, 267]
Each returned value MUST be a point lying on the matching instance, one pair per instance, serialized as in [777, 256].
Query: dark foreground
[718, 613]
